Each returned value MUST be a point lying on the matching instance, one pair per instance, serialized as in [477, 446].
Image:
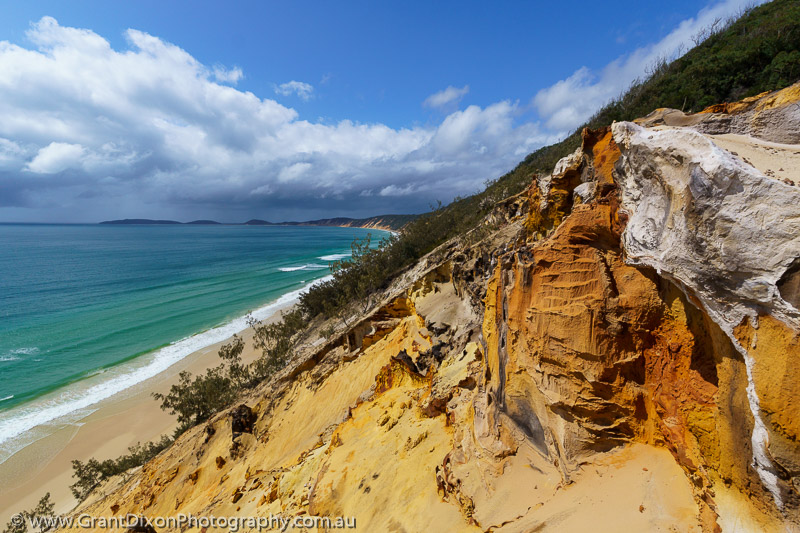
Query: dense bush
[357, 280]
[194, 400]
[275, 342]
[353, 281]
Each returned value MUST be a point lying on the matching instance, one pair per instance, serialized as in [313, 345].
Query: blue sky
[297, 110]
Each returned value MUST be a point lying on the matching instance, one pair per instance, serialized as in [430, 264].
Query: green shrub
[195, 400]
[93, 472]
[44, 509]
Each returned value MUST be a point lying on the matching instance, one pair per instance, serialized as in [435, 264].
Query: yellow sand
[779, 161]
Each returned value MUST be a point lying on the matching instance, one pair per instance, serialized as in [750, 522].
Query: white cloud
[263, 190]
[225, 75]
[303, 90]
[569, 102]
[56, 157]
[151, 126]
[462, 131]
[447, 96]
[293, 172]
[394, 190]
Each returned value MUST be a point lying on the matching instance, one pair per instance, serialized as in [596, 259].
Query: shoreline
[75, 400]
[122, 420]
[102, 417]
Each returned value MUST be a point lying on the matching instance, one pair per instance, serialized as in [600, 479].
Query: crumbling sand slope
[618, 354]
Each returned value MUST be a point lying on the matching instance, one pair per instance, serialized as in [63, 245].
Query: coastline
[123, 415]
[116, 423]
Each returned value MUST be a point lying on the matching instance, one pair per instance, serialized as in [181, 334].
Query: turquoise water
[78, 300]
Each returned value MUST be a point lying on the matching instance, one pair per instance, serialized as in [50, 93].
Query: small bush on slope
[93, 472]
[43, 510]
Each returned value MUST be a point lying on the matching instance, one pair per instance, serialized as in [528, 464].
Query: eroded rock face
[709, 221]
[586, 353]
[566, 330]
[619, 354]
[727, 235]
[676, 334]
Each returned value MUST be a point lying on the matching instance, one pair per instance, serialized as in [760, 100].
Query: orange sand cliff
[618, 354]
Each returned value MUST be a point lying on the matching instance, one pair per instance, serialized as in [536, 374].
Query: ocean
[87, 311]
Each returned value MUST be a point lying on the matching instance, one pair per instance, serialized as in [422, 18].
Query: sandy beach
[125, 419]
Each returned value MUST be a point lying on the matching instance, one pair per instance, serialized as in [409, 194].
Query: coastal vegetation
[93, 472]
[732, 59]
[760, 51]
[194, 400]
[44, 510]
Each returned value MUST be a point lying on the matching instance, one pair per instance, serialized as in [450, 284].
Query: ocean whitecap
[302, 267]
[334, 257]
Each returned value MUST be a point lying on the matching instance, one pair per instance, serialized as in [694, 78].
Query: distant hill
[387, 222]
[140, 221]
[383, 222]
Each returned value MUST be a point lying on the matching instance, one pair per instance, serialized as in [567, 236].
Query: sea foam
[16, 355]
[78, 400]
[334, 257]
[302, 267]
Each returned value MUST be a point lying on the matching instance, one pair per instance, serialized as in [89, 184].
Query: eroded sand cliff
[617, 352]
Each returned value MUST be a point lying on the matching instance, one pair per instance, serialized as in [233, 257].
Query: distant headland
[383, 222]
